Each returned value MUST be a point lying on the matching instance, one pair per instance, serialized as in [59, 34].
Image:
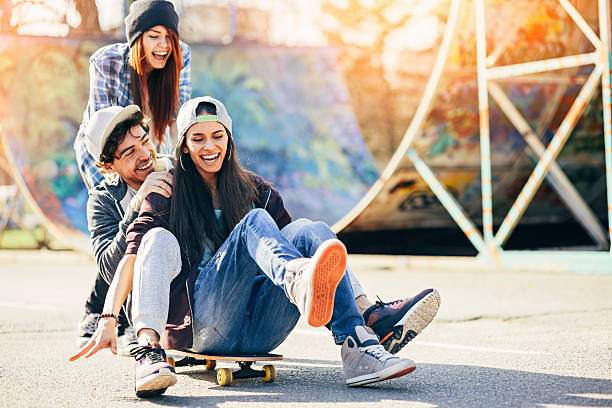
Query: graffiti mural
[292, 123]
[449, 139]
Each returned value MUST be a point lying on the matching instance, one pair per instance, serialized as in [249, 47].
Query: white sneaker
[366, 361]
[126, 342]
[310, 283]
[86, 328]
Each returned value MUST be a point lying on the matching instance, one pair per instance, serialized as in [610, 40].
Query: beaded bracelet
[114, 316]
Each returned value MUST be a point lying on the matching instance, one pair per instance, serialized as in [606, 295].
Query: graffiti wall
[449, 140]
[292, 122]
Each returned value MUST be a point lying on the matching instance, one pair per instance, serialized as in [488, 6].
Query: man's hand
[157, 182]
[103, 337]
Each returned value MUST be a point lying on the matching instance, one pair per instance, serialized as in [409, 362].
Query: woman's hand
[103, 337]
[157, 182]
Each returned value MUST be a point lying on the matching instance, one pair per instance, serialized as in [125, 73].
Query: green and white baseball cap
[187, 117]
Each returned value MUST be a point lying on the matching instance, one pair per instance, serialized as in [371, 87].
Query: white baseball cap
[187, 117]
[102, 124]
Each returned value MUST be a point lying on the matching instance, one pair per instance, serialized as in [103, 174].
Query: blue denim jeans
[240, 305]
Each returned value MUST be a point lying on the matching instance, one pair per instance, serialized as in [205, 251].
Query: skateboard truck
[189, 362]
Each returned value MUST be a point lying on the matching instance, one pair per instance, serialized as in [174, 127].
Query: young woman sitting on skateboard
[219, 267]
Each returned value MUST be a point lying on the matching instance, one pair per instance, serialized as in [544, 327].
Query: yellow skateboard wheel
[171, 361]
[224, 376]
[210, 364]
[269, 373]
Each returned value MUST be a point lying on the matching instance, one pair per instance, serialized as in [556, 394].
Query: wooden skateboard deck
[225, 376]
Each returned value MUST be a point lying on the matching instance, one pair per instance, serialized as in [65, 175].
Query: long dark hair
[192, 215]
[162, 85]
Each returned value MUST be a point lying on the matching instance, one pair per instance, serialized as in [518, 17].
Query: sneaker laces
[380, 304]
[378, 352]
[153, 354]
[292, 278]
[297, 271]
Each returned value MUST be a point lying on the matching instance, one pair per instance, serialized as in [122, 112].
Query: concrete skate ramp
[447, 133]
[292, 124]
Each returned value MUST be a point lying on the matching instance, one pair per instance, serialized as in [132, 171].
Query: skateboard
[225, 376]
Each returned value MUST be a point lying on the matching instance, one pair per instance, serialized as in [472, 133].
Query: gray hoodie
[108, 223]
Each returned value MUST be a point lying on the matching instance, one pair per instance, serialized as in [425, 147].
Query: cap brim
[125, 114]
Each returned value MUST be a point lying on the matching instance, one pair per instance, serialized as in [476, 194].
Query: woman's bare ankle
[147, 336]
[363, 303]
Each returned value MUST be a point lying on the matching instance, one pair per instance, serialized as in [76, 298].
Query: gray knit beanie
[145, 14]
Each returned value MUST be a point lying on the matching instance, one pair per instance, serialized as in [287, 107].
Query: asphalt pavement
[501, 339]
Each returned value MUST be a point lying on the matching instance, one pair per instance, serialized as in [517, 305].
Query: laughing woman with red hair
[151, 70]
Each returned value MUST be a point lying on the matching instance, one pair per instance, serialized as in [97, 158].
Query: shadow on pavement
[431, 385]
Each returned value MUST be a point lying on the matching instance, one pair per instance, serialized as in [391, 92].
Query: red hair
[162, 85]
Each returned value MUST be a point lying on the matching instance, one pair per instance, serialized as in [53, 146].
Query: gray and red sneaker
[398, 322]
[153, 374]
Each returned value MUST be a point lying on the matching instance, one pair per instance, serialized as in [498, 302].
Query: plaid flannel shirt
[109, 85]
